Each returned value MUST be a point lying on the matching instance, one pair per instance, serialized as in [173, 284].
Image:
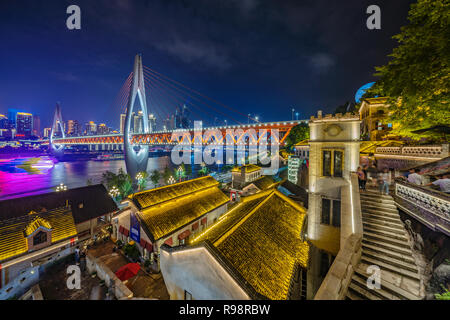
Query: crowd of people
[383, 179]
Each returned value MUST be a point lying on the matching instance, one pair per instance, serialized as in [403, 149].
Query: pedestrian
[372, 173]
[365, 177]
[414, 177]
[77, 254]
[443, 182]
[384, 179]
[361, 178]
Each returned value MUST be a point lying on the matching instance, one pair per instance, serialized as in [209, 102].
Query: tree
[189, 170]
[167, 174]
[417, 78]
[121, 180]
[155, 176]
[298, 133]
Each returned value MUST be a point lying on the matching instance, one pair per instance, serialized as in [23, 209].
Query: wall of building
[196, 271]
[104, 273]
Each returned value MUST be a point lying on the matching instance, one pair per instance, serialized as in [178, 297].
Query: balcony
[428, 206]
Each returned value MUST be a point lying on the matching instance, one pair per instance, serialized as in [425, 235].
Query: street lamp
[114, 192]
[61, 187]
[296, 115]
[139, 177]
[257, 118]
[293, 110]
[180, 172]
[171, 180]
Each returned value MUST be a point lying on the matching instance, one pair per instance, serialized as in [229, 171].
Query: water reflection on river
[26, 176]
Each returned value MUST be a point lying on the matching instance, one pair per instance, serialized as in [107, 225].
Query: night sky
[260, 57]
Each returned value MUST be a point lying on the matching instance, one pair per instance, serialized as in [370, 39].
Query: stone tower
[334, 155]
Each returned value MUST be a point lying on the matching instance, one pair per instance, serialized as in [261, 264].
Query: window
[326, 260]
[336, 221]
[40, 237]
[332, 163]
[331, 212]
[326, 163]
[187, 295]
[326, 206]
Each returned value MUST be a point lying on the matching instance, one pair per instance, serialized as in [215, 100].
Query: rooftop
[260, 238]
[86, 203]
[248, 168]
[165, 210]
[265, 182]
[13, 231]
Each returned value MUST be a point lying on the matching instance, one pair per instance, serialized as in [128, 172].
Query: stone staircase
[385, 244]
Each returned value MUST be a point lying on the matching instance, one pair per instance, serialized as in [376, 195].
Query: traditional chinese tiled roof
[248, 168]
[155, 196]
[265, 182]
[367, 147]
[13, 231]
[167, 209]
[261, 239]
[87, 203]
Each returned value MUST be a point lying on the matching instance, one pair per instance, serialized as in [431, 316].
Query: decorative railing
[429, 206]
[430, 151]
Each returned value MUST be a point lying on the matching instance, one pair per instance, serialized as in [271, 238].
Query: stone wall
[104, 273]
[335, 284]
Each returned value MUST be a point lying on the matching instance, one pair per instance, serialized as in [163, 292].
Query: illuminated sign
[135, 228]
[293, 166]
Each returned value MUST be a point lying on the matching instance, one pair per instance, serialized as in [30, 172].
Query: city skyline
[302, 67]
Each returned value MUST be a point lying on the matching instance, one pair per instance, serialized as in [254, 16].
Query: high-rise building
[102, 129]
[123, 116]
[36, 126]
[47, 132]
[91, 128]
[4, 122]
[24, 124]
[152, 122]
[73, 128]
[138, 125]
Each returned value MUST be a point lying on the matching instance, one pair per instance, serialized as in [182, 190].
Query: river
[35, 175]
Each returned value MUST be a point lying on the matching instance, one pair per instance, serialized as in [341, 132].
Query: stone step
[380, 221]
[389, 267]
[365, 293]
[381, 213]
[352, 295]
[381, 293]
[392, 228]
[411, 266]
[382, 218]
[373, 199]
[392, 235]
[403, 288]
[382, 238]
[387, 246]
[407, 257]
[378, 208]
[375, 194]
[377, 204]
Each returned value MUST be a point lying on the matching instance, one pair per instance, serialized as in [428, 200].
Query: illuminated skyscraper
[36, 126]
[91, 128]
[102, 129]
[152, 122]
[24, 124]
[123, 116]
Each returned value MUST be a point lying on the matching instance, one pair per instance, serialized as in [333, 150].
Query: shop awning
[128, 271]
[184, 235]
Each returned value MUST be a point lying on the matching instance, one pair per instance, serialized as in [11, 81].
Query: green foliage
[417, 78]
[179, 173]
[142, 183]
[131, 250]
[188, 170]
[298, 133]
[167, 174]
[443, 296]
[121, 180]
[155, 176]
[203, 171]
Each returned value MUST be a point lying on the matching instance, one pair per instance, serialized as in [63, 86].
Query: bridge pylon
[136, 156]
[57, 149]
